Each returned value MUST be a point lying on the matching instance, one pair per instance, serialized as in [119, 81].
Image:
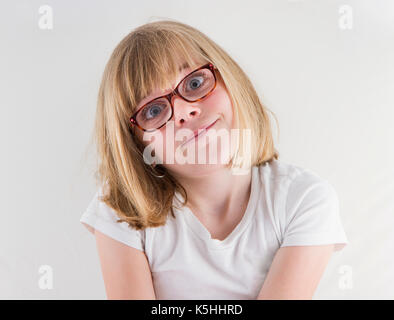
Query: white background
[332, 90]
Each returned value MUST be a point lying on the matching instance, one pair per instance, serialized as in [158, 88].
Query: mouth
[199, 132]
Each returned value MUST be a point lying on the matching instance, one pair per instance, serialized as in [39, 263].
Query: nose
[184, 110]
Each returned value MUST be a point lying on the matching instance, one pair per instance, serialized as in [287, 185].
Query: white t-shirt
[288, 206]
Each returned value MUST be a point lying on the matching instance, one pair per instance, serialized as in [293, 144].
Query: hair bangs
[156, 61]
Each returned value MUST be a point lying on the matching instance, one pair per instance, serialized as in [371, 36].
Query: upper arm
[295, 272]
[125, 270]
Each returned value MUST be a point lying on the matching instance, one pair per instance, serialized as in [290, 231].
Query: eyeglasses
[194, 87]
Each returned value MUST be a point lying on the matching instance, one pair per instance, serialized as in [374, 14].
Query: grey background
[331, 89]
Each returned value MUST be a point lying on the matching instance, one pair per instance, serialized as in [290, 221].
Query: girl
[171, 230]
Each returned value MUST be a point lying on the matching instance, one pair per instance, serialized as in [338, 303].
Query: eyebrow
[184, 66]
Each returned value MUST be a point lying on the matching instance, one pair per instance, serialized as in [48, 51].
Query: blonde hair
[147, 58]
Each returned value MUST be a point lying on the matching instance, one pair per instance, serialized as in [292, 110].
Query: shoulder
[304, 206]
[99, 216]
[278, 169]
[279, 178]
[289, 190]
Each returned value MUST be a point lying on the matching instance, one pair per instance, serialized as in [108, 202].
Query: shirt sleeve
[312, 213]
[99, 216]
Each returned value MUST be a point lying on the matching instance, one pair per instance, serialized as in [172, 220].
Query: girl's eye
[195, 83]
[151, 111]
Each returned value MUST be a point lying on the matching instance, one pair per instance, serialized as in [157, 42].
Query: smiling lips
[196, 133]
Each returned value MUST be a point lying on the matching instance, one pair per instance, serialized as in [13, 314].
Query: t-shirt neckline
[202, 232]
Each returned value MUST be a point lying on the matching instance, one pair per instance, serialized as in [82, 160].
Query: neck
[217, 194]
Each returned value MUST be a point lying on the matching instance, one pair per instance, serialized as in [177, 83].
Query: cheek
[220, 102]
